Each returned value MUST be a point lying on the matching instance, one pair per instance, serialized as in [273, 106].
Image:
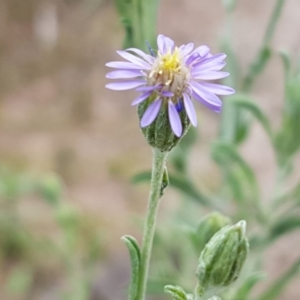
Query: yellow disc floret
[170, 71]
[170, 62]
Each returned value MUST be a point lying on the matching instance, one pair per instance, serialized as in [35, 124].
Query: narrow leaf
[176, 292]
[257, 67]
[246, 103]
[286, 60]
[228, 157]
[142, 177]
[135, 257]
[183, 184]
[283, 226]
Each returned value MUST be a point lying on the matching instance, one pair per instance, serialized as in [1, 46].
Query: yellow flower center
[170, 62]
[170, 72]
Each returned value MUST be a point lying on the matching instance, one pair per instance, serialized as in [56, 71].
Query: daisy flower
[174, 76]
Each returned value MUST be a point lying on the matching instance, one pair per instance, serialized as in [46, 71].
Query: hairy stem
[159, 160]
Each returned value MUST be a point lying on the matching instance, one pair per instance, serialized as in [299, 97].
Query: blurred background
[69, 148]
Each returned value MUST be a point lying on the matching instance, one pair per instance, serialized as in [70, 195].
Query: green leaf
[234, 166]
[124, 8]
[240, 179]
[146, 177]
[287, 140]
[257, 67]
[141, 177]
[135, 257]
[186, 186]
[181, 183]
[176, 292]
[286, 60]
[244, 102]
[283, 226]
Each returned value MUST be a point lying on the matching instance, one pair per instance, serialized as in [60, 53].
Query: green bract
[159, 134]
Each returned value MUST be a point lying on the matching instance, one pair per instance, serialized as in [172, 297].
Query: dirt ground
[56, 115]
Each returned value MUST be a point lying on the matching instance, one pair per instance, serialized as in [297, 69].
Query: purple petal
[124, 65]
[205, 94]
[179, 105]
[213, 66]
[125, 85]
[216, 67]
[148, 88]
[199, 54]
[194, 56]
[151, 113]
[142, 54]
[202, 50]
[165, 44]
[210, 75]
[124, 74]
[218, 89]
[161, 43]
[167, 94]
[141, 98]
[169, 44]
[190, 109]
[186, 49]
[174, 119]
[210, 106]
[210, 61]
[137, 61]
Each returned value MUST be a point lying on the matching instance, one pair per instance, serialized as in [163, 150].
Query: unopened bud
[159, 133]
[222, 258]
[207, 227]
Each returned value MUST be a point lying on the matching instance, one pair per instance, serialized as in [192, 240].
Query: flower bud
[159, 133]
[207, 227]
[222, 258]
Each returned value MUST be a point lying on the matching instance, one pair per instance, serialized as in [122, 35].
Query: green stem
[149, 19]
[137, 23]
[159, 160]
